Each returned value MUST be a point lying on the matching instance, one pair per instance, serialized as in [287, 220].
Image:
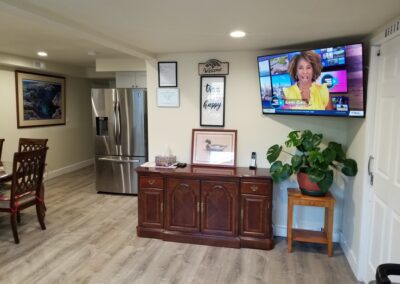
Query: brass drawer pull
[254, 188]
[151, 181]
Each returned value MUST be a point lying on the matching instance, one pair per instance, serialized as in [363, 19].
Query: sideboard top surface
[193, 171]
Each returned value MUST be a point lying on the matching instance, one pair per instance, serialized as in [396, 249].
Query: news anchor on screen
[304, 69]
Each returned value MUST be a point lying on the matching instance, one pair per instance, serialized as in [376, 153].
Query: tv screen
[326, 81]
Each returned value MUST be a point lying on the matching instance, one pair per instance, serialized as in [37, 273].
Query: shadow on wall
[349, 213]
[332, 128]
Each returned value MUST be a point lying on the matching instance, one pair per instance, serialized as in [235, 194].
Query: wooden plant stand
[295, 197]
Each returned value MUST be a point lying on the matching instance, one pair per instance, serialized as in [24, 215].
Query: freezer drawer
[117, 174]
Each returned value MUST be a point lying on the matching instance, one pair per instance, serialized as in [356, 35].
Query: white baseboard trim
[70, 168]
[351, 259]
[281, 231]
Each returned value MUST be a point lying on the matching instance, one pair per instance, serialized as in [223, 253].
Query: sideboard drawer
[151, 182]
[257, 188]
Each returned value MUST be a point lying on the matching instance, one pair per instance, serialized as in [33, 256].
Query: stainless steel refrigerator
[120, 127]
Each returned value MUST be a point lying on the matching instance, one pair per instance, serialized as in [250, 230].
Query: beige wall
[70, 145]
[256, 132]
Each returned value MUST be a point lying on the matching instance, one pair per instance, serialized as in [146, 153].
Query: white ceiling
[68, 29]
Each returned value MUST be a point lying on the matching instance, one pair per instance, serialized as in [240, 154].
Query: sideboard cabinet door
[151, 202]
[218, 207]
[151, 208]
[255, 216]
[183, 205]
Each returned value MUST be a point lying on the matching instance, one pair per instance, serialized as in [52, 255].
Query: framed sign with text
[214, 67]
[212, 101]
[168, 74]
[168, 97]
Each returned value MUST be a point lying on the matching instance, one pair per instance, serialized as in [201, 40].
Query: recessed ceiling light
[42, 53]
[237, 34]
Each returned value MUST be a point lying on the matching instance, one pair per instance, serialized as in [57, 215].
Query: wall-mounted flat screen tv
[326, 81]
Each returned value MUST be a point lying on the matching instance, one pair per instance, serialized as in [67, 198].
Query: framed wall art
[214, 67]
[40, 99]
[216, 148]
[212, 101]
[168, 97]
[168, 74]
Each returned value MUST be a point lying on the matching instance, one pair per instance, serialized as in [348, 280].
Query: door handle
[370, 173]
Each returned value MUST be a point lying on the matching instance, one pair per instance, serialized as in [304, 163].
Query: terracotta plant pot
[307, 186]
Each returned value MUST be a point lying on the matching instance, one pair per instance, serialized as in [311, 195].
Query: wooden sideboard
[229, 207]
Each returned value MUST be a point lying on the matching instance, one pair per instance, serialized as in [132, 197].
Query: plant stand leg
[289, 224]
[330, 229]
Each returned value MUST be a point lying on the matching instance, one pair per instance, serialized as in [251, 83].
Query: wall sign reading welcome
[214, 67]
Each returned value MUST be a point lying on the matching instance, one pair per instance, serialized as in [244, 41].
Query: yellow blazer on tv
[319, 96]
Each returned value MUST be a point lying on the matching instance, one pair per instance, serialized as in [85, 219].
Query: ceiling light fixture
[42, 53]
[237, 34]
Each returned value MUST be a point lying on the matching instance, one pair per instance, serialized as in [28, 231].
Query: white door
[384, 234]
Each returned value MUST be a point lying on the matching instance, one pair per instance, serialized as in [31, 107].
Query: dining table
[5, 171]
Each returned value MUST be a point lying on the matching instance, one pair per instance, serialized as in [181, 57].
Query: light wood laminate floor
[91, 238]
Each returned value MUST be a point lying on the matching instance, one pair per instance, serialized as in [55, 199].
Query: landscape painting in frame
[40, 99]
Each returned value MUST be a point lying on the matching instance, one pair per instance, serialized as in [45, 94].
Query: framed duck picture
[214, 147]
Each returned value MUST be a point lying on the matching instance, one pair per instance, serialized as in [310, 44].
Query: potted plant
[313, 166]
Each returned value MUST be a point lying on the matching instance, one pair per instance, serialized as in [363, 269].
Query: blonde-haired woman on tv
[305, 68]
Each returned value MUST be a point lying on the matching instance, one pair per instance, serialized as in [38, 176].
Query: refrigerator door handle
[119, 161]
[119, 122]
[115, 123]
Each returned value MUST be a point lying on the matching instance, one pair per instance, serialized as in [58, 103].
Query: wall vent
[39, 64]
[392, 29]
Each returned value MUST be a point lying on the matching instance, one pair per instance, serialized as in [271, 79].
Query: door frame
[375, 44]
[370, 130]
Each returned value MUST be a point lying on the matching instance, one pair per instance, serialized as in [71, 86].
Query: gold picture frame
[40, 99]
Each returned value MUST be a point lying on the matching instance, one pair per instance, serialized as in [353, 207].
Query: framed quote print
[212, 101]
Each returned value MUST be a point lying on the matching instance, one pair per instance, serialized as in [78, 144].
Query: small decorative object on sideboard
[314, 167]
[165, 161]
[253, 161]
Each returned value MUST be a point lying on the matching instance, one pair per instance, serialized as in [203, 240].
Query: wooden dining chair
[29, 144]
[1, 147]
[25, 188]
